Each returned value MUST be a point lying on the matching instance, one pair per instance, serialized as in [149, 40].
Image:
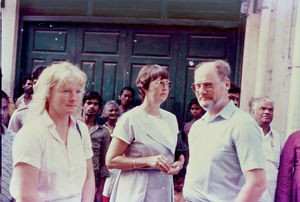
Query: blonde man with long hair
[52, 155]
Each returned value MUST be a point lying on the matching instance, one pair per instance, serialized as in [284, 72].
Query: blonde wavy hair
[53, 76]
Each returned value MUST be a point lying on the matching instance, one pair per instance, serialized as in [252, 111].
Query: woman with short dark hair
[144, 142]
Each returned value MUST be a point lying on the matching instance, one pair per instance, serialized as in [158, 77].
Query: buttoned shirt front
[272, 148]
[221, 150]
[62, 167]
[100, 138]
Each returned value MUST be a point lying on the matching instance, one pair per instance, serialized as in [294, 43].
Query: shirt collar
[95, 128]
[225, 113]
[49, 122]
[269, 133]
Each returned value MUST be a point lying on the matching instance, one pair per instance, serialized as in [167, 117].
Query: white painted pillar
[293, 122]
[263, 49]
[10, 23]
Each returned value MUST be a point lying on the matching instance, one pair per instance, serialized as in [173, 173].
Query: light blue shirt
[221, 149]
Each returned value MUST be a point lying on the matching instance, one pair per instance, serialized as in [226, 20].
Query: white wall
[275, 82]
[10, 19]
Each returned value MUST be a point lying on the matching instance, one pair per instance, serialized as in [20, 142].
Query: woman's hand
[160, 162]
[175, 168]
[177, 165]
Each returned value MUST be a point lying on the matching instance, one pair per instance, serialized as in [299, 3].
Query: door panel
[112, 55]
[101, 42]
[151, 46]
[48, 43]
[207, 46]
[102, 49]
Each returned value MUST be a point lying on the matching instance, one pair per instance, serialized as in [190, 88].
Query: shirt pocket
[273, 156]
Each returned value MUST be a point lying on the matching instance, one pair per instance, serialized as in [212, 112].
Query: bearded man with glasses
[226, 156]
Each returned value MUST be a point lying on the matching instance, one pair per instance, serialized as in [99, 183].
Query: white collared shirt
[272, 148]
[62, 167]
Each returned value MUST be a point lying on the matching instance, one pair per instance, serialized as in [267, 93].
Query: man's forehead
[206, 73]
[234, 94]
[92, 100]
[265, 103]
[127, 92]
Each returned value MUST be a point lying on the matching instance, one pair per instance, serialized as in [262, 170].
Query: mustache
[92, 111]
[29, 91]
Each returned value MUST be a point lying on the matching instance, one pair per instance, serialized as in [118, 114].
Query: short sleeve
[15, 122]
[248, 143]
[86, 141]
[123, 129]
[27, 148]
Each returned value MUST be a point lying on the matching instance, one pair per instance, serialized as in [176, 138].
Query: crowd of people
[63, 144]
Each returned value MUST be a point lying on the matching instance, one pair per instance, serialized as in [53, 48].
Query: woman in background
[52, 154]
[288, 181]
[110, 112]
[144, 142]
[196, 111]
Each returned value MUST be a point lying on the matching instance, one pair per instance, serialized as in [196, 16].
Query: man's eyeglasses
[163, 83]
[204, 85]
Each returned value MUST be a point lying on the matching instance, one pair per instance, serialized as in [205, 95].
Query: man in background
[125, 99]
[17, 118]
[7, 138]
[234, 94]
[262, 109]
[26, 97]
[100, 138]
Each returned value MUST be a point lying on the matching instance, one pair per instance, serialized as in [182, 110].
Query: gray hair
[104, 113]
[223, 68]
[254, 102]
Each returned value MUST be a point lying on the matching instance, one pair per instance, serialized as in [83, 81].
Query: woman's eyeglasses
[164, 83]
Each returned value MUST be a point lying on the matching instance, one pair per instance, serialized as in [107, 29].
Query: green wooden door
[100, 53]
[112, 55]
